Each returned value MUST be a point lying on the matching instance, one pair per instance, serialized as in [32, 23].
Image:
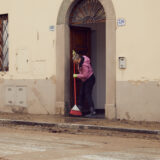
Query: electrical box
[16, 96]
[122, 62]
[20, 99]
[10, 95]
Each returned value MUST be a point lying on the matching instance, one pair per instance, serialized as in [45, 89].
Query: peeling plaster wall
[137, 87]
[138, 101]
[32, 56]
[31, 43]
[40, 96]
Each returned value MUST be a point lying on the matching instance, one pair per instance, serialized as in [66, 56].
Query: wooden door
[80, 40]
[1, 44]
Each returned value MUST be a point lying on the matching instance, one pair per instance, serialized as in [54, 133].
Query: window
[4, 42]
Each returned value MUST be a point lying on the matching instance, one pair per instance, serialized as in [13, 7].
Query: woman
[88, 80]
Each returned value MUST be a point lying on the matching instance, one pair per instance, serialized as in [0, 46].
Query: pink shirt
[85, 71]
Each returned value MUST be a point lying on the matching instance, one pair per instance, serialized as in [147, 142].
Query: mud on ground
[73, 131]
[81, 120]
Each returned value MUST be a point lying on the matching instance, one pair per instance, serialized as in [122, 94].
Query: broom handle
[75, 85]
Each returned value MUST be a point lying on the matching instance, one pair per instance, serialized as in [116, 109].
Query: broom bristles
[75, 111]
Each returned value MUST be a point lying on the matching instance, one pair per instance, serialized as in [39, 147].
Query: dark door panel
[80, 41]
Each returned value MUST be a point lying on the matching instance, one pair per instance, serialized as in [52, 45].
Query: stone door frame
[63, 57]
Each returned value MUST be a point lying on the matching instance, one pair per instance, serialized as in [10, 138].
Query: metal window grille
[4, 42]
[87, 12]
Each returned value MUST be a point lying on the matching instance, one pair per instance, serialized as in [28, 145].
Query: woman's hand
[75, 75]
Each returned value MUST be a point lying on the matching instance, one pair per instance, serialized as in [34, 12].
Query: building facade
[120, 36]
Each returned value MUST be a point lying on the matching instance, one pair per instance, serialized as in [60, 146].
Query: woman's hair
[76, 56]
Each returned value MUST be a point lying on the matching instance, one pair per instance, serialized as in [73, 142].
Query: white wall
[138, 41]
[32, 56]
[32, 51]
[30, 38]
[98, 62]
[137, 87]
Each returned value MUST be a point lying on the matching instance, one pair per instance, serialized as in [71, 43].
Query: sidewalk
[81, 123]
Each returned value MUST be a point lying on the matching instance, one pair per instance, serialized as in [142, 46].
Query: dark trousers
[86, 93]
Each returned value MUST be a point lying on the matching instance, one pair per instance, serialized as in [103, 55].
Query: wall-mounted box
[16, 96]
[10, 95]
[122, 62]
[20, 98]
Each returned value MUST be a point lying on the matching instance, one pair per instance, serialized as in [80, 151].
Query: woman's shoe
[90, 114]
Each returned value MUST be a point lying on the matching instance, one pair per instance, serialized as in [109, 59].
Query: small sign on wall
[52, 28]
[121, 22]
[122, 62]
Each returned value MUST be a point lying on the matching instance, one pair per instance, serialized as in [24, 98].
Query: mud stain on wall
[53, 79]
[31, 102]
[138, 82]
[35, 82]
[16, 109]
[1, 80]
[158, 84]
[39, 98]
[127, 115]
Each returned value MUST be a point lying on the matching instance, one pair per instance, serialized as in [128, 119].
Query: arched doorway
[87, 36]
[63, 53]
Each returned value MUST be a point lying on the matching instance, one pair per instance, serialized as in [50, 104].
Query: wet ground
[81, 120]
[24, 144]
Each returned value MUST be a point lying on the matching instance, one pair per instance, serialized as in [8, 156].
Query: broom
[75, 110]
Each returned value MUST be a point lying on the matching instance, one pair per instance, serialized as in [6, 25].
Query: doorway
[64, 20]
[80, 41]
[87, 36]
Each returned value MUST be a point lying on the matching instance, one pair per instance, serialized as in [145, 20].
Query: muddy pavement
[74, 129]
[21, 143]
[36, 121]
[69, 121]
[79, 120]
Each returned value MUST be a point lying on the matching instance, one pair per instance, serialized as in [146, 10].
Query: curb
[78, 126]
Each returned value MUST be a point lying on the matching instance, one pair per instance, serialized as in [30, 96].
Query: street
[23, 144]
